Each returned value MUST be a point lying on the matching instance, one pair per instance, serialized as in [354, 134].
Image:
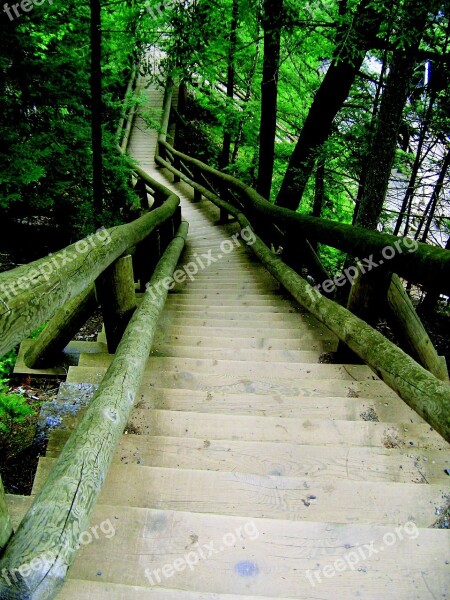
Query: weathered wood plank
[269, 497]
[268, 559]
[360, 463]
[411, 329]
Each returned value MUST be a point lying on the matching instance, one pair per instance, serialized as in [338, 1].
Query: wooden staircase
[251, 469]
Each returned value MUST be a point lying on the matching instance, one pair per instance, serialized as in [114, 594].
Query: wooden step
[312, 342]
[315, 432]
[17, 506]
[317, 463]
[269, 558]
[285, 371]
[229, 297]
[268, 497]
[246, 332]
[204, 287]
[264, 319]
[78, 589]
[234, 309]
[272, 301]
[244, 354]
[239, 315]
[323, 387]
[389, 409]
[206, 321]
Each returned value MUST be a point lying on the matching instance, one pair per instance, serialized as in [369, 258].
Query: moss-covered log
[423, 392]
[50, 531]
[60, 330]
[31, 295]
[6, 529]
[417, 262]
[412, 331]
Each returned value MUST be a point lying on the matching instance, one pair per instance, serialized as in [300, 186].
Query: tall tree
[398, 87]
[96, 105]
[272, 24]
[355, 38]
[224, 160]
[430, 210]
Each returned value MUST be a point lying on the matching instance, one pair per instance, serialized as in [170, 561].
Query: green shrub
[13, 410]
[7, 363]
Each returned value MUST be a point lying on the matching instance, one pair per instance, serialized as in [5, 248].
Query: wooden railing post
[116, 294]
[140, 190]
[146, 257]
[177, 165]
[412, 331]
[367, 297]
[6, 529]
[167, 233]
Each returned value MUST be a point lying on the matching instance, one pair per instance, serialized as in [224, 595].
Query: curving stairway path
[250, 468]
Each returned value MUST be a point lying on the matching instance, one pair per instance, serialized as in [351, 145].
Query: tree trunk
[224, 159]
[435, 197]
[248, 95]
[384, 142]
[365, 158]
[272, 24]
[407, 201]
[96, 106]
[351, 50]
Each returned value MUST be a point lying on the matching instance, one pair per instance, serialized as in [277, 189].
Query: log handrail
[428, 265]
[31, 294]
[50, 532]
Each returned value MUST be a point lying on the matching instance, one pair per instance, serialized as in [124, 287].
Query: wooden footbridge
[235, 462]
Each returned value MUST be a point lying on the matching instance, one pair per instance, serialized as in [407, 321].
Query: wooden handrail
[50, 531]
[427, 265]
[31, 294]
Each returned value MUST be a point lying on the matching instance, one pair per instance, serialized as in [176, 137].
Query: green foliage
[14, 410]
[46, 159]
[7, 363]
